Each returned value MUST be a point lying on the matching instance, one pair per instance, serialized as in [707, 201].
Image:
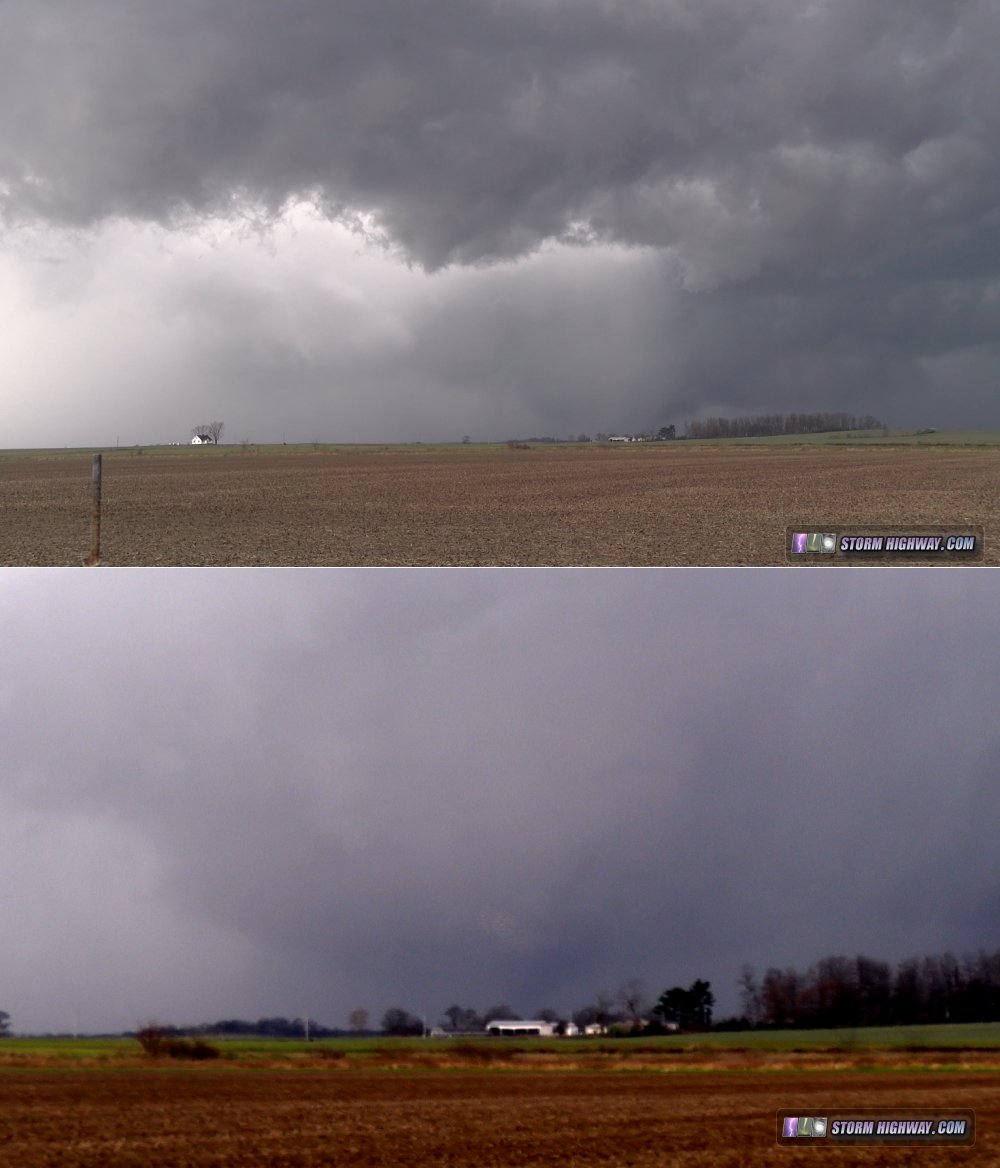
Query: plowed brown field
[665, 504]
[231, 1118]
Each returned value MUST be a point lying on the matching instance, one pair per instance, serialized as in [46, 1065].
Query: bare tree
[634, 1001]
[780, 993]
[462, 1018]
[874, 981]
[358, 1019]
[750, 995]
[604, 1005]
[212, 430]
[151, 1038]
[398, 1021]
[502, 1012]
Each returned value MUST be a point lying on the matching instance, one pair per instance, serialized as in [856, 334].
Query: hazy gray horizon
[265, 792]
[377, 222]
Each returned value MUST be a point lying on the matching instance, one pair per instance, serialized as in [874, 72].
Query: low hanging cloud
[768, 134]
[590, 214]
[278, 792]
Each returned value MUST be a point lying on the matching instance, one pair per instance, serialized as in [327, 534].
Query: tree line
[835, 992]
[770, 425]
[861, 991]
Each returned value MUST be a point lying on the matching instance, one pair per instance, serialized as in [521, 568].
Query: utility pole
[94, 558]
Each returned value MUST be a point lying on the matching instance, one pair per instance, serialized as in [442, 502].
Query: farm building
[521, 1029]
[201, 439]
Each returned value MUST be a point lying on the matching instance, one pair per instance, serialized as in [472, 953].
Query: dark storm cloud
[648, 211]
[285, 791]
[824, 138]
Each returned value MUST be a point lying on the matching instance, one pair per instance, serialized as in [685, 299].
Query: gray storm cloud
[748, 138]
[258, 793]
[569, 215]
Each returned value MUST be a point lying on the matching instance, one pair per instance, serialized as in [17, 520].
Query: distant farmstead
[201, 440]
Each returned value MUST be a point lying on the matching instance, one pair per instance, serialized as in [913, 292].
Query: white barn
[501, 1028]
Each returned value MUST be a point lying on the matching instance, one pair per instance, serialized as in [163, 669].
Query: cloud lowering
[375, 220]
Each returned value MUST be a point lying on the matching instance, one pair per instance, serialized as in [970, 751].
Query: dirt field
[230, 1118]
[665, 504]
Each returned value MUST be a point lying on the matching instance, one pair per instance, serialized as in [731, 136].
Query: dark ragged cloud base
[788, 207]
[259, 793]
[749, 134]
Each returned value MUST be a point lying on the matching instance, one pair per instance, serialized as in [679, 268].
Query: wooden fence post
[94, 559]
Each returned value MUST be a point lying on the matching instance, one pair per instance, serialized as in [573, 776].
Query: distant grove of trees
[757, 426]
[861, 991]
[277, 1027]
[768, 425]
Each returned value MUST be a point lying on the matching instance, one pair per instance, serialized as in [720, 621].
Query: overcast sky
[368, 220]
[252, 793]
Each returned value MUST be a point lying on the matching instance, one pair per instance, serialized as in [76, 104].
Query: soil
[664, 504]
[229, 1118]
